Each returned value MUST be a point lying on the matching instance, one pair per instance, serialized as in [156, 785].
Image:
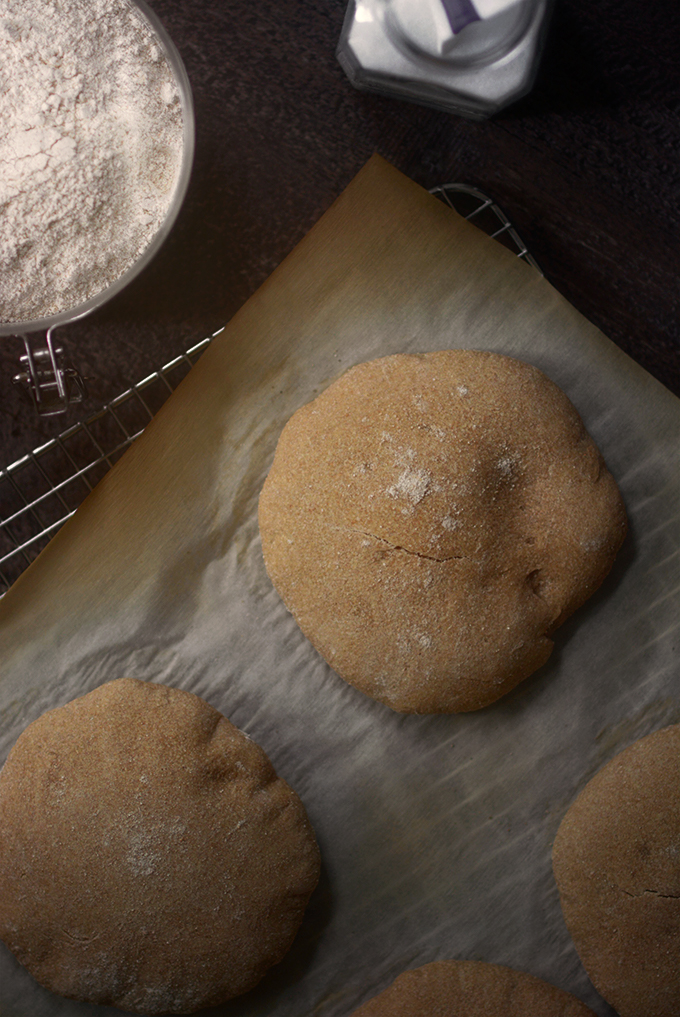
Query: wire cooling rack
[43, 489]
[478, 208]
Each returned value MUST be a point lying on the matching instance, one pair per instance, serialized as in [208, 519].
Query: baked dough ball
[616, 860]
[430, 519]
[150, 858]
[471, 989]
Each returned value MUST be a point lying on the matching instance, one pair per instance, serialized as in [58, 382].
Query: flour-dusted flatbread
[617, 864]
[471, 989]
[430, 519]
[150, 858]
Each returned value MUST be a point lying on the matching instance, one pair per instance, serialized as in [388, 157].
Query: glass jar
[469, 57]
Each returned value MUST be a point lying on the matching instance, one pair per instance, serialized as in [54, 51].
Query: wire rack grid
[482, 210]
[44, 488]
[40, 491]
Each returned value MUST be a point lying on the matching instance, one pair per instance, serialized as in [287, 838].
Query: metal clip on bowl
[50, 380]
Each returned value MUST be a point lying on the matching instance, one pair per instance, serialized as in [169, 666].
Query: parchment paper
[435, 832]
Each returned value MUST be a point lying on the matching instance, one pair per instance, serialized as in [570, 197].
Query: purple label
[460, 13]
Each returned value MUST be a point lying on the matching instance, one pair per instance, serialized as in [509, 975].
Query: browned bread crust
[471, 989]
[616, 860]
[430, 519]
[150, 858]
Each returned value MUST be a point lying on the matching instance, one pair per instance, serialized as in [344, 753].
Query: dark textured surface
[586, 166]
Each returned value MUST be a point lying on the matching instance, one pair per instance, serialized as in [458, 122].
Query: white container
[469, 57]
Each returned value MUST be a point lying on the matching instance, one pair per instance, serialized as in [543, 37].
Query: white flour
[90, 149]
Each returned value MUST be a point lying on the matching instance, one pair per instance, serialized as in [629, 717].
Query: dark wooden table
[586, 167]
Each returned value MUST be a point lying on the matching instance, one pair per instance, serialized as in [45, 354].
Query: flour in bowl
[90, 149]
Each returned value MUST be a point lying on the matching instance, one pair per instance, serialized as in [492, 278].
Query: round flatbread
[471, 989]
[150, 858]
[430, 519]
[616, 860]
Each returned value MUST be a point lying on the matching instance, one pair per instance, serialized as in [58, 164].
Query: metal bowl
[81, 310]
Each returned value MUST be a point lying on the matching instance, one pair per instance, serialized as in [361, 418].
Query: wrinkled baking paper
[435, 832]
